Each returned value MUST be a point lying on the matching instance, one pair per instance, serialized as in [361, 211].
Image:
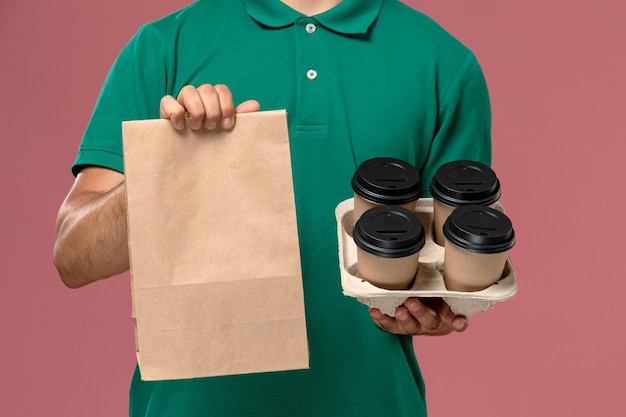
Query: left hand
[429, 317]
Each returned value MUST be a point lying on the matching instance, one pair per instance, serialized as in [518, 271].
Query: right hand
[427, 317]
[207, 105]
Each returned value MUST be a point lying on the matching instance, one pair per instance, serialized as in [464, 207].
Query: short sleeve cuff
[98, 157]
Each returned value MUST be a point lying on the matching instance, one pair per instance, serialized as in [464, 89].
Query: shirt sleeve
[131, 91]
[464, 122]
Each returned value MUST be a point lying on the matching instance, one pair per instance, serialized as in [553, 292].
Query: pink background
[556, 76]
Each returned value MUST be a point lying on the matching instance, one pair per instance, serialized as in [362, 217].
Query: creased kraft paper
[215, 263]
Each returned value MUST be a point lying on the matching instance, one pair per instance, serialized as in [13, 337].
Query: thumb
[248, 107]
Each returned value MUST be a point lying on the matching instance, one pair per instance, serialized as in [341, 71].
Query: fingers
[207, 106]
[434, 315]
[420, 317]
[448, 319]
[413, 318]
[385, 322]
[171, 109]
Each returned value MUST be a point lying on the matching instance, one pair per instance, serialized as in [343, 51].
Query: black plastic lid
[387, 181]
[464, 182]
[479, 229]
[389, 232]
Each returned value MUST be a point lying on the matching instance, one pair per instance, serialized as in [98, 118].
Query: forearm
[92, 241]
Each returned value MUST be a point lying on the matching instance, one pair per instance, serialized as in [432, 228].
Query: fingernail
[413, 306]
[227, 122]
[460, 324]
[402, 314]
[180, 125]
[211, 125]
[375, 313]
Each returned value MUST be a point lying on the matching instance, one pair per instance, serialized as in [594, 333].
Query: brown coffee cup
[388, 240]
[478, 239]
[385, 181]
[460, 183]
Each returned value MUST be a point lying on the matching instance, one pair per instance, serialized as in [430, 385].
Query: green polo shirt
[367, 78]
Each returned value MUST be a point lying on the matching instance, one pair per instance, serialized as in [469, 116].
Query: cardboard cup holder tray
[429, 278]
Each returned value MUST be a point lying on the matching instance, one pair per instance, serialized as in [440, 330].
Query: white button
[310, 28]
[311, 74]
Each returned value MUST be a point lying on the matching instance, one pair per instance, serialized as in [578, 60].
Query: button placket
[310, 28]
[311, 56]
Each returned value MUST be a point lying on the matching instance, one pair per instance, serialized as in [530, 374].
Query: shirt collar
[349, 17]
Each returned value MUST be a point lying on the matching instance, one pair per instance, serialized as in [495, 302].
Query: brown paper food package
[215, 262]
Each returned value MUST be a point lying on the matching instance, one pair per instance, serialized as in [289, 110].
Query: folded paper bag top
[200, 208]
